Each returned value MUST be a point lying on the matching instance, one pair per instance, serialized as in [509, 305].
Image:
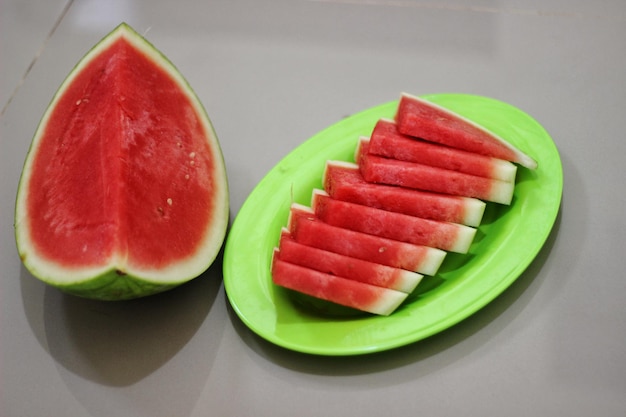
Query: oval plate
[507, 241]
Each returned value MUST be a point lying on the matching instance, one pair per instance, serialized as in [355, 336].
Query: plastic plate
[507, 241]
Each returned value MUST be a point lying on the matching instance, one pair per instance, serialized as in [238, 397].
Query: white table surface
[271, 74]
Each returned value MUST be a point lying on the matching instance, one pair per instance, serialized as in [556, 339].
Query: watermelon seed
[192, 162]
[382, 249]
[192, 155]
[186, 176]
[169, 201]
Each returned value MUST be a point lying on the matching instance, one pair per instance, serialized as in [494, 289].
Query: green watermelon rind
[109, 283]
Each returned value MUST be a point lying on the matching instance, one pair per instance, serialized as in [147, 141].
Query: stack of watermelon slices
[418, 190]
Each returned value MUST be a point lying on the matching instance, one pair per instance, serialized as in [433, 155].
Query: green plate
[507, 241]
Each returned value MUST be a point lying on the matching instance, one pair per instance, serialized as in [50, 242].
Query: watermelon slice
[386, 141]
[346, 292]
[447, 236]
[343, 181]
[423, 119]
[345, 266]
[124, 190]
[307, 229]
[423, 177]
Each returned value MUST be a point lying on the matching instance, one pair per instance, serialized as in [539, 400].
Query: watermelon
[309, 230]
[419, 184]
[423, 177]
[447, 236]
[346, 266]
[343, 291]
[386, 141]
[343, 181]
[423, 119]
[124, 191]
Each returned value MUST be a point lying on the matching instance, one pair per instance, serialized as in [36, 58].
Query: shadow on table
[119, 343]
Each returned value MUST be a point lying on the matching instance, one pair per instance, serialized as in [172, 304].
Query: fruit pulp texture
[443, 235]
[347, 292]
[122, 167]
[344, 181]
[386, 141]
[308, 230]
[346, 266]
[423, 177]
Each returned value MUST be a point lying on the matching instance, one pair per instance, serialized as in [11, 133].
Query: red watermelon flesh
[125, 176]
[343, 181]
[386, 141]
[423, 177]
[426, 120]
[307, 229]
[345, 266]
[447, 236]
[343, 291]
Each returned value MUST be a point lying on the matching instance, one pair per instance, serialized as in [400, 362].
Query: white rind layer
[408, 281]
[464, 239]
[432, 262]
[504, 170]
[502, 192]
[388, 302]
[474, 211]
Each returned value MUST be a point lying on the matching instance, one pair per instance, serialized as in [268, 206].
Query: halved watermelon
[124, 190]
[426, 120]
[343, 181]
[387, 141]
